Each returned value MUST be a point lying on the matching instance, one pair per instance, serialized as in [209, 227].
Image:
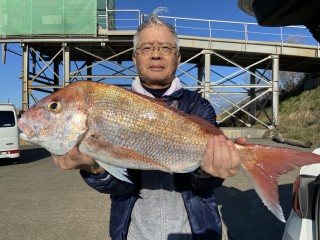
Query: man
[160, 205]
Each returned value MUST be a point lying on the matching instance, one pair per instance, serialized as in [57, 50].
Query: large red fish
[121, 129]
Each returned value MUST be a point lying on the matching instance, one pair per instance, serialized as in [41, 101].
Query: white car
[303, 222]
[9, 136]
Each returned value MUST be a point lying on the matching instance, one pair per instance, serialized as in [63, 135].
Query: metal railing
[121, 19]
[131, 19]
[230, 90]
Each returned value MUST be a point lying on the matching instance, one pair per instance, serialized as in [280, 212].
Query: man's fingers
[236, 161]
[241, 140]
[76, 160]
[221, 158]
[63, 162]
[55, 160]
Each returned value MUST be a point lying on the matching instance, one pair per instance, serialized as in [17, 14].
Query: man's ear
[178, 58]
[134, 59]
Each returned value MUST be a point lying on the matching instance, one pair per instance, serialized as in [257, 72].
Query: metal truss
[235, 65]
[43, 75]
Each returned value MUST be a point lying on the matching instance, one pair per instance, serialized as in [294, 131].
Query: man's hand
[221, 158]
[76, 160]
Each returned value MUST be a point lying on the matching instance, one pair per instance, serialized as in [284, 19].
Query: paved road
[244, 215]
[41, 202]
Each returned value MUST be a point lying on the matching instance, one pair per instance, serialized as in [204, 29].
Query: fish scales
[129, 121]
[121, 129]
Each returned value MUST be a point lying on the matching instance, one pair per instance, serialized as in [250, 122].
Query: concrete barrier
[235, 132]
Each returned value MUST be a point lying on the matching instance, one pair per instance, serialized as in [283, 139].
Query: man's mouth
[156, 68]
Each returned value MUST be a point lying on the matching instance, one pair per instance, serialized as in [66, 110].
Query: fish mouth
[28, 131]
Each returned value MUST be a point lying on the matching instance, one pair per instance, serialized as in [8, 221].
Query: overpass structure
[235, 65]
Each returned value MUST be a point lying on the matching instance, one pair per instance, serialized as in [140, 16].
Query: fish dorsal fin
[205, 126]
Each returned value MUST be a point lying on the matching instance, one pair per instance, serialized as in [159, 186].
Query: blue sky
[11, 84]
[203, 9]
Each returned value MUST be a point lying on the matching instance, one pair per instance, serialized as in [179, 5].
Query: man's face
[157, 69]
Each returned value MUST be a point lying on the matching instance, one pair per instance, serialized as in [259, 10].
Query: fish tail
[264, 164]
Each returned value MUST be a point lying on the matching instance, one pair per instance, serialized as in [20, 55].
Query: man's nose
[156, 52]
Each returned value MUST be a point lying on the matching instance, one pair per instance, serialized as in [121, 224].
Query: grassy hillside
[300, 117]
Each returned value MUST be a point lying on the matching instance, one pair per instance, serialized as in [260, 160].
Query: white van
[9, 136]
[303, 222]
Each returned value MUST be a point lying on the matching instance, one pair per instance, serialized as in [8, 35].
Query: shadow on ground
[27, 155]
[247, 218]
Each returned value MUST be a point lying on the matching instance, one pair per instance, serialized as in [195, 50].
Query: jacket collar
[177, 94]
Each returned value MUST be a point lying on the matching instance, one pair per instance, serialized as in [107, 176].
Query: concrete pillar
[207, 64]
[66, 65]
[275, 90]
[25, 77]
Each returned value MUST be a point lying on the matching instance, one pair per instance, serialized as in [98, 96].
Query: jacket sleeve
[199, 179]
[106, 183]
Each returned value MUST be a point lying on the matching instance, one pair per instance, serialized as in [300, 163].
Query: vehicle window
[7, 119]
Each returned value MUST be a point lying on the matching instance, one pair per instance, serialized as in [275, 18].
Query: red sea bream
[121, 129]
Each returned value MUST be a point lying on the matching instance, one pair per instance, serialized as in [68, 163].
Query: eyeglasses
[165, 48]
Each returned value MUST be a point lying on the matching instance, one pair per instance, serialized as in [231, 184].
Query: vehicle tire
[15, 161]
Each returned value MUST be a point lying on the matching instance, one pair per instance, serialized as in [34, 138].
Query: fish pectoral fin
[117, 172]
[189, 169]
[124, 157]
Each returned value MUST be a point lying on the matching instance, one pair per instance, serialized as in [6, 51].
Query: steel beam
[275, 90]
[66, 65]
[25, 77]
[207, 63]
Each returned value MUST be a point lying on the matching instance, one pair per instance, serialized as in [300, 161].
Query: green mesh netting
[37, 17]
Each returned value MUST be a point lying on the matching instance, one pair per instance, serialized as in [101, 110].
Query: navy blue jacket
[196, 187]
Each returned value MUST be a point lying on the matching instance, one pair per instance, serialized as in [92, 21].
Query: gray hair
[153, 19]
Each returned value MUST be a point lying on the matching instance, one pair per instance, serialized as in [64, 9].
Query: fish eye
[55, 107]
